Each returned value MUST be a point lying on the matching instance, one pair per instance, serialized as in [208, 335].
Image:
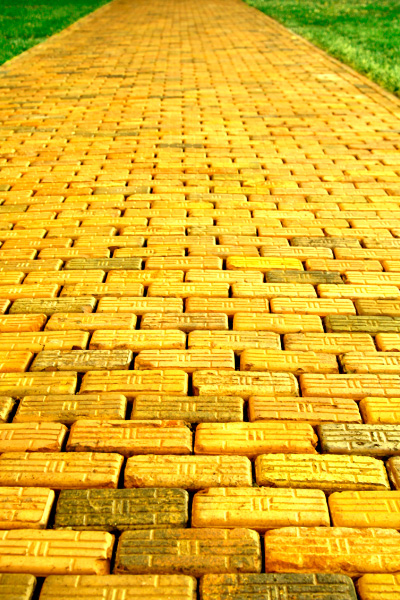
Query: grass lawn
[365, 34]
[25, 23]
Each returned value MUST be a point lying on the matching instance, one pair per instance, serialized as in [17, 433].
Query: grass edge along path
[364, 35]
[26, 23]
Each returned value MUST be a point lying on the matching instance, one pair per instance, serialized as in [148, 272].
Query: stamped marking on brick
[259, 508]
[189, 551]
[119, 510]
[60, 470]
[188, 472]
[325, 472]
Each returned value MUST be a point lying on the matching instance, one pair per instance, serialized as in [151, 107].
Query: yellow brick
[90, 321]
[380, 410]
[60, 470]
[380, 279]
[101, 290]
[133, 383]
[258, 359]
[249, 240]
[140, 306]
[4, 304]
[371, 362]
[69, 408]
[388, 342]
[309, 410]
[10, 278]
[14, 361]
[28, 266]
[318, 306]
[273, 290]
[43, 340]
[279, 324]
[186, 290]
[298, 252]
[330, 343]
[365, 509]
[125, 586]
[229, 306]
[144, 277]
[16, 385]
[32, 437]
[56, 552]
[65, 277]
[332, 550]
[357, 291]
[186, 360]
[130, 437]
[342, 266]
[252, 439]
[188, 472]
[328, 472]
[183, 264]
[137, 340]
[185, 321]
[233, 340]
[25, 508]
[6, 406]
[263, 264]
[259, 508]
[350, 386]
[13, 292]
[379, 587]
[14, 323]
[211, 276]
[231, 383]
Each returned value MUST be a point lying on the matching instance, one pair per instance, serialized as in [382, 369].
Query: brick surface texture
[199, 313]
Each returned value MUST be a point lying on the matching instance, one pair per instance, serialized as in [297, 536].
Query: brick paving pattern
[200, 313]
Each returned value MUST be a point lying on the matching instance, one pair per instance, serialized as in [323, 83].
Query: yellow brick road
[199, 271]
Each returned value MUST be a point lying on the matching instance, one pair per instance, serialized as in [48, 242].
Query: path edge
[392, 98]
[37, 48]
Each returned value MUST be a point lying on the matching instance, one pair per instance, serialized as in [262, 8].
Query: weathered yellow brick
[332, 550]
[186, 290]
[241, 384]
[288, 323]
[129, 437]
[31, 437]
[133, 383]
[273, 290]
[263, 264]
[330, 343]
[310, 410]
[215, 276]
[350, 386]
[317, 306]
[43, 340]
[187, 360]
[101, 290]
[259, 508]
[258, 359]
[188, 472]
[228, 306]
[328, 472]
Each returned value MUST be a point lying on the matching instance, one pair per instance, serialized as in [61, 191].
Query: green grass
[25, 23]
[364, 34]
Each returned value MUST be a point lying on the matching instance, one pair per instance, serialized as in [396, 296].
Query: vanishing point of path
[200, 328]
